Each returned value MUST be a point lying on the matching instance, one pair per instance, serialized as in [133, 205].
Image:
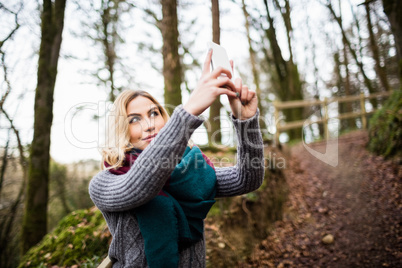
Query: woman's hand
[209, 87]
[245, 105]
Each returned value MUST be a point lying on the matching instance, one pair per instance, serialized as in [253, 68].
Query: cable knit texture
[118, 195]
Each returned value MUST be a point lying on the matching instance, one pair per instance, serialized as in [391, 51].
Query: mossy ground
[81, 238]
[385, 132]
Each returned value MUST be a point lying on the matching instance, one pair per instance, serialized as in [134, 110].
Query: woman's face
[145, 121]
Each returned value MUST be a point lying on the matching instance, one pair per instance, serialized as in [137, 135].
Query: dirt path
[358, 203]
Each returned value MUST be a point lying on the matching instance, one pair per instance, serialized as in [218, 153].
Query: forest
[327, 74]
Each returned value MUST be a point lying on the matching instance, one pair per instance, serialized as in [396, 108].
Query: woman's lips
[150, 137]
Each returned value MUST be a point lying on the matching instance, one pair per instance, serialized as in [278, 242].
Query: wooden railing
[305, 103]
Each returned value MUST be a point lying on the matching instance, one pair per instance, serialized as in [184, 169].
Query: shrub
[77, 238]
[385, 131]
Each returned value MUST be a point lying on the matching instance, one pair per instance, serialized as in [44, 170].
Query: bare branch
[4, 164]
[367, 2]
[2, 53]
[7, 224]
[23, 161]
[154, 16]
[17, 25]
[5, 75]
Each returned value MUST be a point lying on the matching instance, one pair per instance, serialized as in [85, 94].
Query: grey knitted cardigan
[117, 195]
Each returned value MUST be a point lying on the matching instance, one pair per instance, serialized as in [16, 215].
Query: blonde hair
[118, 136]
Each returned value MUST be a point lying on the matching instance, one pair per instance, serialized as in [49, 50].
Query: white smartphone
[219, 57]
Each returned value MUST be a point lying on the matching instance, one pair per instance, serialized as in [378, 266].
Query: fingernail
[243, 103]
[237, 94]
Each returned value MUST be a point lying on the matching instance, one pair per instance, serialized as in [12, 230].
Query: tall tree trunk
[345, 107]
[214, 133]
[254, 69]
[109, 42]
[35, 217]
[316, 108]
[278, 61]
[393, 10]
[295, 84]
[287, 71]
[380, 69]
[171, 59]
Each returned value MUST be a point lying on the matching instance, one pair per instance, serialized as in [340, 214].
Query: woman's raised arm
[248, 173]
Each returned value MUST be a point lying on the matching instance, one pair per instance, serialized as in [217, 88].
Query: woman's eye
[134, 120]
[154, 113]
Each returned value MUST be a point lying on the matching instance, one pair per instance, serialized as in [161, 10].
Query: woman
[156, 190]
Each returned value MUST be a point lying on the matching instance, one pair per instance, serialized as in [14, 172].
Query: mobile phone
[219, 57]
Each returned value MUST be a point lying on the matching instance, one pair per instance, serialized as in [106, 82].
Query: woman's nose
[149, 125]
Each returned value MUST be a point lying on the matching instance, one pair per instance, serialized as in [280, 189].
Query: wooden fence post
[276, 116]
[326, 133]
[363, 110]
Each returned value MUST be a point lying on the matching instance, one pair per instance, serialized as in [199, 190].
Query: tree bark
[345, 107]
[171, 60]
[214, 133]
[35, 217]
[254, 69]
[316, 108]
[287, 72]
[109, 42]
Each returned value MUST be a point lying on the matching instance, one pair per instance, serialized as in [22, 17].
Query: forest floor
[344, 216]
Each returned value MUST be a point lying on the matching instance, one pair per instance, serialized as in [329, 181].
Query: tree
[380, 69]
[287, 74]
[101, 22]
[12, 197]
[345, 83]
[35, 217]
[352, 51]
[253, 62]
[316, 109]
[172, 72]
[108, 35]
[214, 133]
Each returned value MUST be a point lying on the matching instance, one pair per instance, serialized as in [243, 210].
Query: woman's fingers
[207, 63]
[226, 91]
[218, 71]
[244, 95]
[250, 95]
[239, 85]
[225, 82]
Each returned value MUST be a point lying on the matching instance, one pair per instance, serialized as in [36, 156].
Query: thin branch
[158, 22]
[7, 224]
[5, 75]
[3, 54]
[367, 2]
[17, 25]
[23, 161]
[5, 161]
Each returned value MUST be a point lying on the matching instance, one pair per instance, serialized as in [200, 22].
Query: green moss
[80, 237]
[385, 131]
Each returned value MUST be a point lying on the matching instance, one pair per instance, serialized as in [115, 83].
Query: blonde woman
[155, 190]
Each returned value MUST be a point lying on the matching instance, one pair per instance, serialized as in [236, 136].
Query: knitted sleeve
[151, 169]
[248, 173]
